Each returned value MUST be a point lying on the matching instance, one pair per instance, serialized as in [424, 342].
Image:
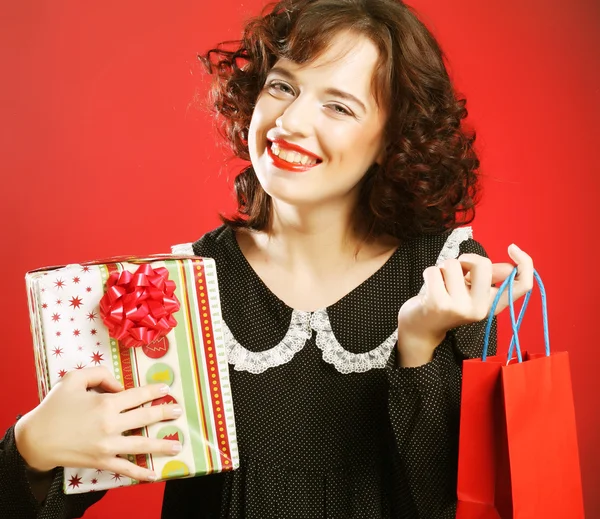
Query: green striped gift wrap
[150, 320]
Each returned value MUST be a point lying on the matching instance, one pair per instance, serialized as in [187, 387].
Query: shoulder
[213, 242]
[210, 245]
[432, 249]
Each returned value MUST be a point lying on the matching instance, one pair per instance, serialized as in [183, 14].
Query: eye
[280, 86]
[340, 110]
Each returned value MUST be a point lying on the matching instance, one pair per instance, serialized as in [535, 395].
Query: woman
[349, 294]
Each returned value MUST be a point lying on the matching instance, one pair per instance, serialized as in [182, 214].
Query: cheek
[261, 122]
[252, 133]
[349, 143]
[254, 124]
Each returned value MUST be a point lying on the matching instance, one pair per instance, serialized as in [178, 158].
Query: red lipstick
[288, 166]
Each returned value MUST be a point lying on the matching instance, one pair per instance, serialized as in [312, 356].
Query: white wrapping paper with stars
[149, 320]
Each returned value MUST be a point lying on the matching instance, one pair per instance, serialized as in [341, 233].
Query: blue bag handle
[516, 323]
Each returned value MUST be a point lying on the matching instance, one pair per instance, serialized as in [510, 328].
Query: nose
[297, 118]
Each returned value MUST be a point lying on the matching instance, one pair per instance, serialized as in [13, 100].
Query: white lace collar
[303, 324]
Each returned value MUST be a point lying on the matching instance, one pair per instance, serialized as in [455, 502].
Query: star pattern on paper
[75, 302]
[74, 481]
[97, 357]
[71, 297]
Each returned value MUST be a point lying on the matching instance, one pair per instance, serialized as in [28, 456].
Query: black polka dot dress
[327, 425]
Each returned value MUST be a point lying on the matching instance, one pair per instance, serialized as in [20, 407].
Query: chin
[289, 195]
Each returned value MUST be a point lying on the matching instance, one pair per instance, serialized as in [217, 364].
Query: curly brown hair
[427, 182]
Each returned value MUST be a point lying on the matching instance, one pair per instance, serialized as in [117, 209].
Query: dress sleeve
[17, 499]
[424, 404]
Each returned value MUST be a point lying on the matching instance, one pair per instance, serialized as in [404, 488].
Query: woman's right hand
[81, 421]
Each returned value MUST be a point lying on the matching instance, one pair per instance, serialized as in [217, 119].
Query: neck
[313, 238]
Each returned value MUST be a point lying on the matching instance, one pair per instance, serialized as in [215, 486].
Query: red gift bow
[138, 308]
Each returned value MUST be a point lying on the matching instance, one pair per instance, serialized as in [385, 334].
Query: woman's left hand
[457, 292]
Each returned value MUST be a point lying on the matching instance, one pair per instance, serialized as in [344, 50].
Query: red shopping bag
[518, 454]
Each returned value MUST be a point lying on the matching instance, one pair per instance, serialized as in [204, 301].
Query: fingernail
[176, 448]
[516, 247]
[164, 389]
[177, 411]
[152, 477]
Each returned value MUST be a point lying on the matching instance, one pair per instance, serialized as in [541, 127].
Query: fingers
[524, 278]
[118, 464]
[500, 271]
[435, 289]
[461, 286]
[144, 445]
[470, 274]
[460, 291]
[524, 265]
[110, 385]
[144, 416]
[479, 270]
[523, 282]
[135, 397]
[126, 468]
[454, 278]
[94, 377]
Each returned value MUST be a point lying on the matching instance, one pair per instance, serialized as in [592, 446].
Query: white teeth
[292, 156]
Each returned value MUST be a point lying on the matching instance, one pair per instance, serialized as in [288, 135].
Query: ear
[380, 158]
[382, 153]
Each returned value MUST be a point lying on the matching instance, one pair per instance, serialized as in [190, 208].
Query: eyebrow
[331, 91]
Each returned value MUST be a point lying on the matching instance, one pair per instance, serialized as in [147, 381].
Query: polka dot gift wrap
[179, 314]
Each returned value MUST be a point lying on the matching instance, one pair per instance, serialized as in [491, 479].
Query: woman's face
[316, 128]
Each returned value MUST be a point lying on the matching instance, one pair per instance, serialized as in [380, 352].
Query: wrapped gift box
[149, 320]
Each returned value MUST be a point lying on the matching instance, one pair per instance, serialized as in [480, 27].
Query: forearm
[16, 495]
[25, 493]
[424, 410]
[424, 406]
[40, 483]
[413, 351]
[39, 480]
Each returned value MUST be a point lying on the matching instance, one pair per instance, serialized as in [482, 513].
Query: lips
[294, 147]
[289, 166]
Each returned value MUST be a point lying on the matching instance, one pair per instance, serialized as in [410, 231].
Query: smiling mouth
[291, 156]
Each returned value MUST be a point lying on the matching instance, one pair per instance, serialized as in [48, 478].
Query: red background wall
[102, 152]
